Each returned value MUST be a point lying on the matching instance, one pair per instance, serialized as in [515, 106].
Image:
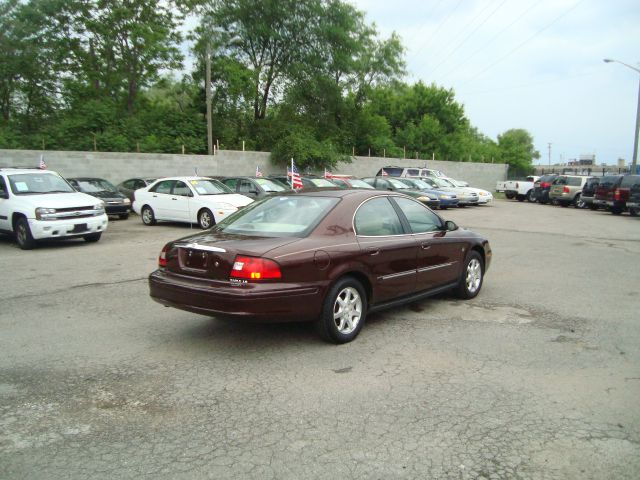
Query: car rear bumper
[43, 229]
[260, 302]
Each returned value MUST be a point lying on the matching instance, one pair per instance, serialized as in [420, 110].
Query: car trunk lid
[212, 254]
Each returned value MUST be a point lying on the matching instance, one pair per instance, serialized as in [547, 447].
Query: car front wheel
[343, 312]
[472, 276]
[23, 234]
[92, 237]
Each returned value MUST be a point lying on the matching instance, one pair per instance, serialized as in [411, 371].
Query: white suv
[40, 204]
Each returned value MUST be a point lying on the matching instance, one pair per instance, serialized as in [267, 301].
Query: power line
[440, 25]
[492, 39]
[554, 21]
[448, 55]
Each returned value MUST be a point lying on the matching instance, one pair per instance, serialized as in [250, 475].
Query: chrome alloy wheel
[347, 310]
[21, 234]
[147, 216]
[474, 275]
[205, 219]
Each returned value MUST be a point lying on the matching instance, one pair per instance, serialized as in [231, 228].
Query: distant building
[587, 160]
[622, 163]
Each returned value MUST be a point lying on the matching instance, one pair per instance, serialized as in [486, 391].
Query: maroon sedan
[327, 256]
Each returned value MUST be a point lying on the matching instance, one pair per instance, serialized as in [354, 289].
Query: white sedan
[200, 200]
[484, 196]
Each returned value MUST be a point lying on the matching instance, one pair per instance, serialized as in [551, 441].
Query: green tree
[517, 149]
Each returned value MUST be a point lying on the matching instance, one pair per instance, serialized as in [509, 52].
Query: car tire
[578, 203]
[472, 276]
[343, 311]
[521, 198]
[593, 206]
[147, 215]
[509, 196]
[92, 237]
[531, 197]
[616, 210]
[24, 239]
[123, 216]
[206, 219]
[563, 204]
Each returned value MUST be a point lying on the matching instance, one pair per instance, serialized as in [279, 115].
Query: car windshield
[419, 183]
[209, 186]
[279, 216]
[456, 183]
[357, 183]
[38, 183]
[322, 183]
[269, 185]
[91, 185]
[441, 182]
[398, 184]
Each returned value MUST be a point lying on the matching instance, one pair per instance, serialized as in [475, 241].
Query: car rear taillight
[162, 259]
[617, 195]
[545, 184]
[565, 190]
[255, 268]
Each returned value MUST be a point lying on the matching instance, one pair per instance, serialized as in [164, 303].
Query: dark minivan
[542, 186]
[613, 191]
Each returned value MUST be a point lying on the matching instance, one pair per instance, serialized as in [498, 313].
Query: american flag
[296, 181]
[42, 165]
[258, 172]
[384, 173]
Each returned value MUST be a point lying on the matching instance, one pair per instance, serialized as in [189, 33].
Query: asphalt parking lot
[538, 377]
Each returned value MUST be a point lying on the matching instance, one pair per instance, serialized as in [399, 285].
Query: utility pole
[549, 153]
[208, 97]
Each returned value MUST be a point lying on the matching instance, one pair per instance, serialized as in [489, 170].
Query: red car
[329, 256]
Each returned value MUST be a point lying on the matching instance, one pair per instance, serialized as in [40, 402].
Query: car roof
[186, 179]
[25, 170]
[87, 178]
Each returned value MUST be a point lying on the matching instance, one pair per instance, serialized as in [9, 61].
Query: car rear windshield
[629, 181]
[609, 181]
[547, 178]
[571, 181]
[393, 171]
[279, 216]
[322, 183]
[357, 183]
[38, 183]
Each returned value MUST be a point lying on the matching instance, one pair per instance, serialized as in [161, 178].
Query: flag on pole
[327, 174]
[42, 165]
[296, 181]
[258, 172]
[384, 173]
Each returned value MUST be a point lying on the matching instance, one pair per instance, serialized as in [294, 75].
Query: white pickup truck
[521, 190]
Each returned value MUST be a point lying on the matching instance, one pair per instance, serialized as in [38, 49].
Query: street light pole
[207, 88]
[634, 160]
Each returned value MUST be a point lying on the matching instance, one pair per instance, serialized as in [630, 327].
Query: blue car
[447, 199]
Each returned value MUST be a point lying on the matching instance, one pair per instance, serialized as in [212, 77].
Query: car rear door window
[181, 189]
[163, 187]
[377, 217]
[574, 181]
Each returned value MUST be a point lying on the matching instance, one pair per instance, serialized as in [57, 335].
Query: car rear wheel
[531, 197]
[205, 219]
[593, 206]
[578, 203]
[92, 237]
[633, 211]
[343, 312]
[472, 276]
[616, 210]
[147, 215]
[23, 234]
[521, 198]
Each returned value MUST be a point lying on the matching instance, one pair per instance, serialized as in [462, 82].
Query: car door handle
[425, 246]
[373, 251]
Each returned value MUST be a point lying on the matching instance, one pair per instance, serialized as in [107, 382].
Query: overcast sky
[532, 64]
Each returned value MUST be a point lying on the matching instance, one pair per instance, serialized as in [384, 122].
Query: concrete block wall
[117, 167]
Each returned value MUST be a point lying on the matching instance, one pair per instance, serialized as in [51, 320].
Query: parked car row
[614, 193]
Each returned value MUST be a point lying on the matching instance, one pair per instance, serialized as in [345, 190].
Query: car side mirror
[450, 226]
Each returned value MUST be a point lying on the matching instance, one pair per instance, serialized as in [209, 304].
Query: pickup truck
[520, 189]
